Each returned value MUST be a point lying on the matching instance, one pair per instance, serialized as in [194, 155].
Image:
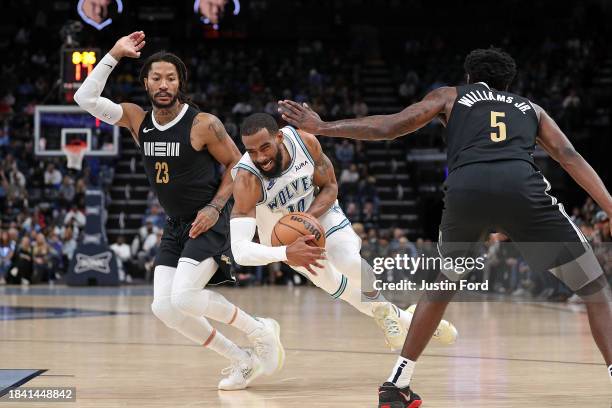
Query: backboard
[57, 125]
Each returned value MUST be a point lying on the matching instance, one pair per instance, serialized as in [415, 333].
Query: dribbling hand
[129, 46]
[301, 116]
[301, 254]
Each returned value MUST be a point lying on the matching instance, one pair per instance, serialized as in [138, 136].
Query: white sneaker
[387, 319]
[268, 346]
[446, 333]
[241, 373]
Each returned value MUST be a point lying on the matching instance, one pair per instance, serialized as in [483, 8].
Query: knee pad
[162, 309]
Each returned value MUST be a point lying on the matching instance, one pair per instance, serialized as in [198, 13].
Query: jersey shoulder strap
[296, 145]
[245, 163]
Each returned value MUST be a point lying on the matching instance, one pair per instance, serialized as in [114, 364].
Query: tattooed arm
[208, 132]
[379, 127]
[324, 177]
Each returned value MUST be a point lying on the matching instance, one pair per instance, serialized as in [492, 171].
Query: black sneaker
[389, 396]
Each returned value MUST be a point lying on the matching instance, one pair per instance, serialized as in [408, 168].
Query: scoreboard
[76, 65]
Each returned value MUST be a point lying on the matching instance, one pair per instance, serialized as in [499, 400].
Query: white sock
[244, 321]
[610, 371]
[402, 372]
[222, 345]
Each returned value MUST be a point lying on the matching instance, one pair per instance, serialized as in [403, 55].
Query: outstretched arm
[557, 145]
[88, 96]
[379, 127]
[208, 132]
[324, 177]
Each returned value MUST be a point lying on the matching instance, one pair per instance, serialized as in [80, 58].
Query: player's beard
[276, 170]
[163, 105]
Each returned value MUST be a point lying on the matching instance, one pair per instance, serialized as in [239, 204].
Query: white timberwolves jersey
[292, 191]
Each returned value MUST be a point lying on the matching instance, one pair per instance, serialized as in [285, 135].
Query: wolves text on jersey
[297, 187]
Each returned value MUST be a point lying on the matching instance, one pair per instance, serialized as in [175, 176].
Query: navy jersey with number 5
[487, 125]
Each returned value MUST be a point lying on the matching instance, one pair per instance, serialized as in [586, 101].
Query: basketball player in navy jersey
[182, 149]
[493, 184]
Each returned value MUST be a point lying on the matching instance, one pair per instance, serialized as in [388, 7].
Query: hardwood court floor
[508, 354]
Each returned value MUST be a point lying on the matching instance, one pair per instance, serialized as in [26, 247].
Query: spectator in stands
[67, 191]
[53, 177]
[56, 249]
[602, 227]
[400, 244]
[69, 244]
[24, 262]
[348, 180]
[156, 217]
[7, 250]
[345, 153]
[352, 211]
[369, 192]
[369, 217]
[123, 253]
[147, 230]
[42, 259]
[577, 216]
[80, 189]
[75, 217]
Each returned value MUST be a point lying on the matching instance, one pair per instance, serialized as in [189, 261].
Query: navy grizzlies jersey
[184, 179]
[486, 125]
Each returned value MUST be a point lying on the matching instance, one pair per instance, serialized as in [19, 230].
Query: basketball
[294, 225]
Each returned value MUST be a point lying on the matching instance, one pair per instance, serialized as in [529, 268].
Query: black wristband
[213, 206]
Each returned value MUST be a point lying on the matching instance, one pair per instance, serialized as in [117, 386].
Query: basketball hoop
[75, 151]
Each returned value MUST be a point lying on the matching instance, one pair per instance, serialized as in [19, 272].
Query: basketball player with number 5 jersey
[182, 151]
[284, 171]
[493, 185]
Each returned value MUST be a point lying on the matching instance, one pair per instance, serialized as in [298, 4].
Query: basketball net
[74, 155]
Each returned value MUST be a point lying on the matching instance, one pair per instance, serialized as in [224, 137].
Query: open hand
[129, 46]
[300, 116]
[206, 218]
[300, 253]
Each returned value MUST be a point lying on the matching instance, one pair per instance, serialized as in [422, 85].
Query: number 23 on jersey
[163, 176]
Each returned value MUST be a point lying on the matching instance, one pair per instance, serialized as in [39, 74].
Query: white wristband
[248, 253]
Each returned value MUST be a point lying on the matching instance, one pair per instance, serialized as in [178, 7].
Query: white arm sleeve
[248, 253]
[88, 95]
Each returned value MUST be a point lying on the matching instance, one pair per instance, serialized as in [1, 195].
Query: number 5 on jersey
[500, 135]
[163, 177]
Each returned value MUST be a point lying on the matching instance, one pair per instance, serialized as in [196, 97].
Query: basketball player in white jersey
[181, 148]
[284, 171]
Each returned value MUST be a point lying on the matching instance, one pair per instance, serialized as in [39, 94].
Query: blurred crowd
[41, 201]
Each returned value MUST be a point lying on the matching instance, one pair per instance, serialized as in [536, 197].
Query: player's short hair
[492, 65]
[181, 70]
[257, 121]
